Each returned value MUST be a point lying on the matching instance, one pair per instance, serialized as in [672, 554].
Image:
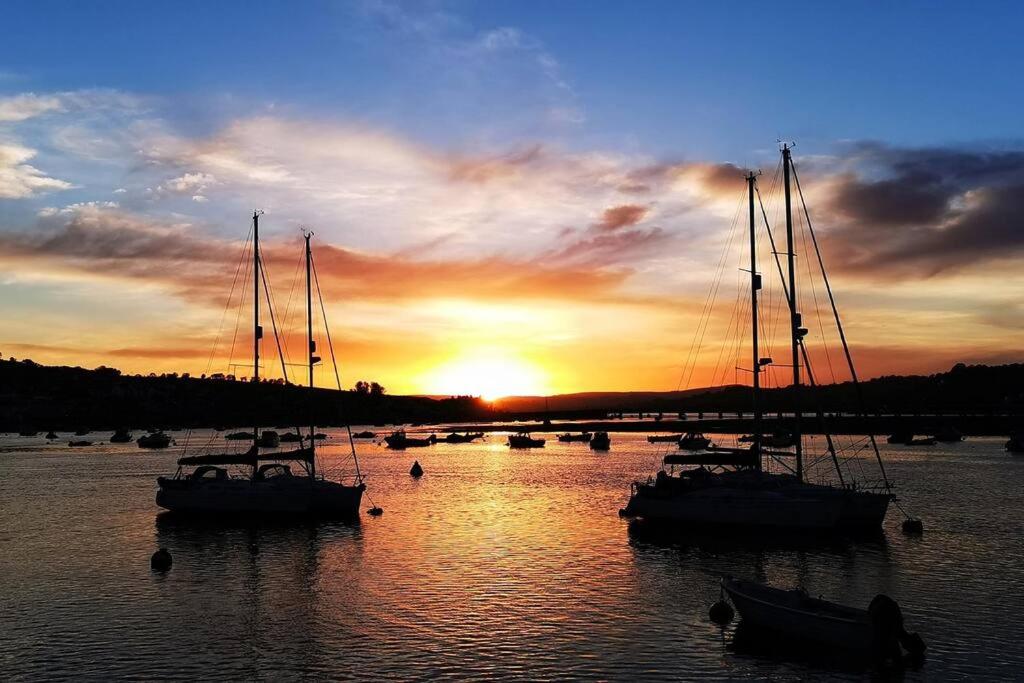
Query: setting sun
[490, 376]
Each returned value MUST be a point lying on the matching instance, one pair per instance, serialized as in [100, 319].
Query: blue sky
[515, 182]
[668, 78]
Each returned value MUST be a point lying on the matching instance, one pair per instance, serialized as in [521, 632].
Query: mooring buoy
[913, 526]
[416, 470]
[376, 511]
[160, 561]
[721, 612]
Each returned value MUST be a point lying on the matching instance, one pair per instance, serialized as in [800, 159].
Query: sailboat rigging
[270, 486]
[729, 486]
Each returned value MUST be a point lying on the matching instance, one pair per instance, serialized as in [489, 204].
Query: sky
[508, 198]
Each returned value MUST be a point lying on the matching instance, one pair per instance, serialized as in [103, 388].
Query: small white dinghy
[877, 630]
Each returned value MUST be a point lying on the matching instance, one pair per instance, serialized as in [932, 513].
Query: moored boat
[269, 439]
[601, 442]
[154, 440]
[693, 441]
[582, 437]
[364, 435]
[400, 440]
[239, 436]
[268, 486]
[877, 631]
[524, 440]
[664, 438]
[455, 437]
[79, 443]
[121, 436]
[735, 488]
[949, 434]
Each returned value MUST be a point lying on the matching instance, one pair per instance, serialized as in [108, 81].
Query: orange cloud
[621, 216]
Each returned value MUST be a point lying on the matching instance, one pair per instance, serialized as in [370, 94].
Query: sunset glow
[525, 213]
[490, 376]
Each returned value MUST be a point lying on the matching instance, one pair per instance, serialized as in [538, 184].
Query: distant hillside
[613, 401]
[964, 389]
[34, 396]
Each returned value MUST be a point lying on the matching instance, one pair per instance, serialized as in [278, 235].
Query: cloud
[621, 216]
[923, 212]
[27, 105]
[78, 207]
[105, 242]
[24, 106]
[19, 179]
[194, 184]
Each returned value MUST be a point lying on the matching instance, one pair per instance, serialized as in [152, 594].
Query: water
[495, 564]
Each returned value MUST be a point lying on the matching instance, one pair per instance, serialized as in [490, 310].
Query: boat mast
[755, 284]
[257, 331]
[796, 332]
[310, 345]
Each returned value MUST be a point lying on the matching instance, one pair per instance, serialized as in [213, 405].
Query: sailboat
[729, 487]
[269, 486]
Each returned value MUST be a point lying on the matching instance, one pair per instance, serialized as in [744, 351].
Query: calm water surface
[495, 564]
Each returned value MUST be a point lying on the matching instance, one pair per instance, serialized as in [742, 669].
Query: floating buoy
[376, 511]
[721, 613]
[913, 526]
[161, 560]
[416, 470]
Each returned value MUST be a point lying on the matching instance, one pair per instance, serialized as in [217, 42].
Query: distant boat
[28, 433]
[290, 437]
[909, 439]
[664, 438]
[947, 434]
[154, 440]
[584, 437]
[81, 432]
[364, 435]
[773, 440]
[455, 437]
[694, 441]
[239, 436]
[399, 440]
[876, 631]
[524, 440]
[600, 442]
[51, 435]
[121, 436]
[269, 439]
[79, 444]
[319, 436]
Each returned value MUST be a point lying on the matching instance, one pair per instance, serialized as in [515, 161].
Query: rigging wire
[227, 304]
[238, 313]
[839, 327]
[273, 322]
[334, 362]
